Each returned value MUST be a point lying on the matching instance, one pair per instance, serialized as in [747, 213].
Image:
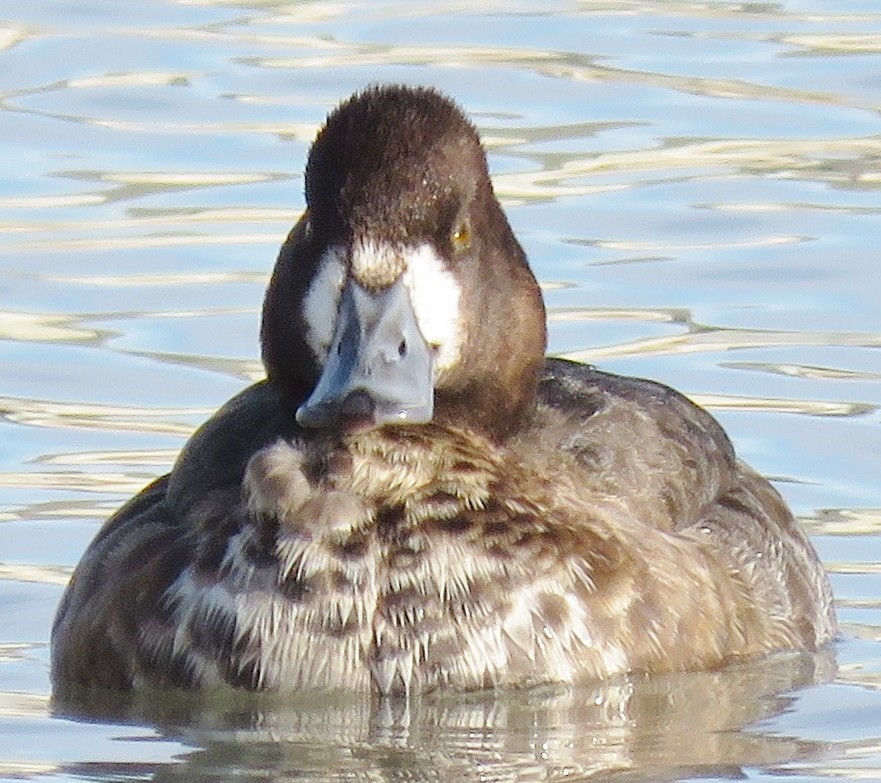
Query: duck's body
[524, 521]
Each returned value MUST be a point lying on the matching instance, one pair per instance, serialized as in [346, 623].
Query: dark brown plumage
[527, 521]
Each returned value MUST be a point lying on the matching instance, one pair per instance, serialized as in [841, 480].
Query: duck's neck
[494, 407]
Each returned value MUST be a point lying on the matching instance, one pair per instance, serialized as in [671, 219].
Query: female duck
[416, 498]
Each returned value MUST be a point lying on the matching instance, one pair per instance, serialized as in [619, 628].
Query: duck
[416, 498]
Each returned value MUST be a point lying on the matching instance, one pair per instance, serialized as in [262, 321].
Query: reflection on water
[638, 726]
[697, 186]
[46, 413]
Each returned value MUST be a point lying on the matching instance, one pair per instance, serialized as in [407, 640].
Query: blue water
[698, 186]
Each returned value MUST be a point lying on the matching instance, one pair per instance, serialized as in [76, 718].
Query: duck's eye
[461, 236]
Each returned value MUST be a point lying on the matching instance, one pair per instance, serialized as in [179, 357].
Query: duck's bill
[379, 369]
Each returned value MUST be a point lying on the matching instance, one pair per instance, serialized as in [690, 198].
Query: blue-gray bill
[379, 369]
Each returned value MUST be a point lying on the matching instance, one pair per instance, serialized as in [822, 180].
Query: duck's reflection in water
[666, 727]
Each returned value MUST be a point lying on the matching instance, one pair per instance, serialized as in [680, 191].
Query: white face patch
[434, 295]
[321, 302]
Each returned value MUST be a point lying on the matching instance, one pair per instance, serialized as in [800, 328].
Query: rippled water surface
[698, 185]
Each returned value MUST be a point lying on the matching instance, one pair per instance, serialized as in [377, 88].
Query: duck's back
[116, 625]
[673, 465]
[615, 532]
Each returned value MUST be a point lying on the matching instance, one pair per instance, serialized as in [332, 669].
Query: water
[697, 185]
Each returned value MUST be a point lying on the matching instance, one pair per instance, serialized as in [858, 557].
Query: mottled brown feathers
[406, 559]
[543, 523]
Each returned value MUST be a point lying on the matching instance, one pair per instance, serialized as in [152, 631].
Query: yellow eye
[461, 236]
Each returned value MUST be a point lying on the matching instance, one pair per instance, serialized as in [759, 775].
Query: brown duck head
[402, 296]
